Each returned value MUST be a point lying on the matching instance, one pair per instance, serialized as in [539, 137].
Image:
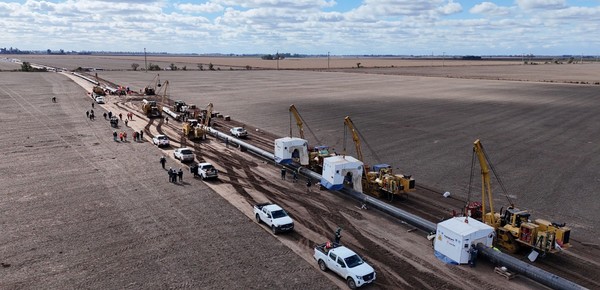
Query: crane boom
[350, 126]
[486, 188]
[294, 111]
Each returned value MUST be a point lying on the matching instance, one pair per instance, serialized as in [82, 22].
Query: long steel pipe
[513, 264]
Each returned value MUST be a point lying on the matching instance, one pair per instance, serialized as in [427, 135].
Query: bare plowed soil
[540, 135]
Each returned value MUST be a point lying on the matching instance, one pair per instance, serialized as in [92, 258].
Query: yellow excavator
[379, 180]
[316, 153]
[514, 228]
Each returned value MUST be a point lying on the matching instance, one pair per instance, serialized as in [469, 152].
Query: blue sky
[399, 27]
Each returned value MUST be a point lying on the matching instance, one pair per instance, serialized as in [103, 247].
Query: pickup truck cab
[345, 263]
[239, 132]
[206, 170]
[273, 216]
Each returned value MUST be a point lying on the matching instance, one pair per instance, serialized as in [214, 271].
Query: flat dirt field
[82, 211]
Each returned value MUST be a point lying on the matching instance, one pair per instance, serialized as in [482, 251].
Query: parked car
[239, 132]
[344, 262]
[274, 217]
[184, 154]
[100, 99]
[206, 170]
[160, 140]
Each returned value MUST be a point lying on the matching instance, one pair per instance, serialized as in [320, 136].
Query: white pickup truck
[345, 263]
[274, 217]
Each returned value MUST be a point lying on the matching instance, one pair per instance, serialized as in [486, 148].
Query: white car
[184, 154]
[238, 132]
[345, 263]
[206, 170]
[160, 140]
[100, 99]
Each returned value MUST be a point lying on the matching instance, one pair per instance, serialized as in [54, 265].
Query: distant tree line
[11, 50]
[280, 56]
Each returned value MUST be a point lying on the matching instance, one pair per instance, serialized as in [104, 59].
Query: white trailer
[288, 149]
[336, 168]
[455, 236]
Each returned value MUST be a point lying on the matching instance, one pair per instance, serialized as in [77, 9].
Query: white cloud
[208, 7]
[542, 4]
[302, 4]
[301, 26]
[489, 8]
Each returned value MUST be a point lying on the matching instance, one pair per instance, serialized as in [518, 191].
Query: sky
[338, 27]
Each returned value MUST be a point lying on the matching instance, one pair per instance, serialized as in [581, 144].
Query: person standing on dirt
[294, 176]
[104, 115]
[141, 135]
[472, 256]
[115, 138]
[337, 236]
[180, 174]
[87, 114]
[92, 105]
[283, 173]
[126, 122]
[121, 116]
[109, 114]
[308, 184]
[167, 120]
[170, 172]
[163, 160]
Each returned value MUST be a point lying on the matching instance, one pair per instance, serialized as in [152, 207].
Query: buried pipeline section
[513, 264]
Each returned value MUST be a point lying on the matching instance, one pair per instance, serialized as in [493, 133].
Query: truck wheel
[350, 282]
[257, 219]
[274, 230]
[322, 266]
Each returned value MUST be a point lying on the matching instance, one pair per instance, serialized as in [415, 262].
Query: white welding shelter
[288, 149]
[337, 169]
[455, 236]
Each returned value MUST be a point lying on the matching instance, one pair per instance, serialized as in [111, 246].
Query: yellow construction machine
[98, 90]
[316, 153]
[514, 227]
[192, 129]
[380, 180]
[151, 88]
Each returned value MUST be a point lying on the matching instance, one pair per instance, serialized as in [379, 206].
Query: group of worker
[174, 174]
[295, 178]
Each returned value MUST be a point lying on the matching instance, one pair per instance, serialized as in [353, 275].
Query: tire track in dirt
[433, 211]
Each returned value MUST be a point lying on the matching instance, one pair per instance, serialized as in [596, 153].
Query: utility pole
[145, 60]
[443, 58]
[328, 60]
[278, 60]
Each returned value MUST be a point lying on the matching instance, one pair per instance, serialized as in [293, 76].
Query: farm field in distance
[538, 123]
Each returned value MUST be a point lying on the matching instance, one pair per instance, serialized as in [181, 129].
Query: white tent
[455, 236]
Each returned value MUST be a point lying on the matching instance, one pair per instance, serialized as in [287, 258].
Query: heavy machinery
[379, 180]
[193, 130]
[98, 90]
[316, 153]
[150, 89]
[150, 108]
[514, 227]
[180, 106]
[196, 129]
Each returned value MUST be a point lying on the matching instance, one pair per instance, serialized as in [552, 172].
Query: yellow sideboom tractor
[514, 227]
